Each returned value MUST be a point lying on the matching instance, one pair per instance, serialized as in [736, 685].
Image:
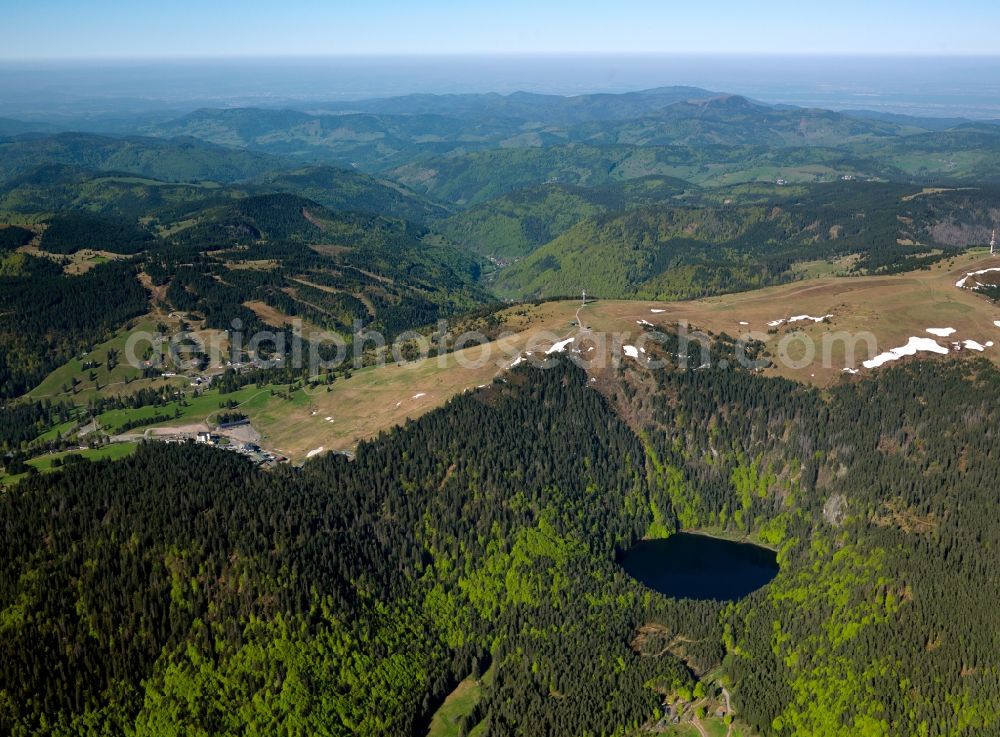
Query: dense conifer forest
[47, 317]
[70, 232]
[180, 591]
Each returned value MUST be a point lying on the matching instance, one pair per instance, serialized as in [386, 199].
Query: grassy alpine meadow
[55, 461]
[889, 309]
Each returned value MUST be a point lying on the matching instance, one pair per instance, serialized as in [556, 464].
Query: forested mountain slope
[372, 142]
[513, 225]
[51, 187]
[171, 160]
[330, 268]
[352, 191]
[208, 252]
[183, 592]
[47, 317]
[744, 238]
[474, 177]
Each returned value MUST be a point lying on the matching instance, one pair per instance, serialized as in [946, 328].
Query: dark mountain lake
[700, 567]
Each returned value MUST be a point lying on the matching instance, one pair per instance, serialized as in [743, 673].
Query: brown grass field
[890, 308]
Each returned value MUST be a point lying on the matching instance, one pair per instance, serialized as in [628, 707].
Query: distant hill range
[412, 208]
[557, 109]
[391, 132]
[385, 135]
[178, 159]
[11, 127]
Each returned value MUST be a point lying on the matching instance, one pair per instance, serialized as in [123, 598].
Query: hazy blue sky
[39, 29]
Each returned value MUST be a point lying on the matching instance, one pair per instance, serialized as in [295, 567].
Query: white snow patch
[973, 345]
[419, 394]
[314, 452]
[656, 311]
[911, 348]
[941, 332]
[795, 318]
[560, 346]
[850, 371]
[516, 361]
[961, 282]
[744, 322]
[328, 419]
[799, 318]
[988, 344]
[631, 351]
[647, 323]
[997, 323]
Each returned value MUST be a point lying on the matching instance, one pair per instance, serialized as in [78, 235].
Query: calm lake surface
[700, 567]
